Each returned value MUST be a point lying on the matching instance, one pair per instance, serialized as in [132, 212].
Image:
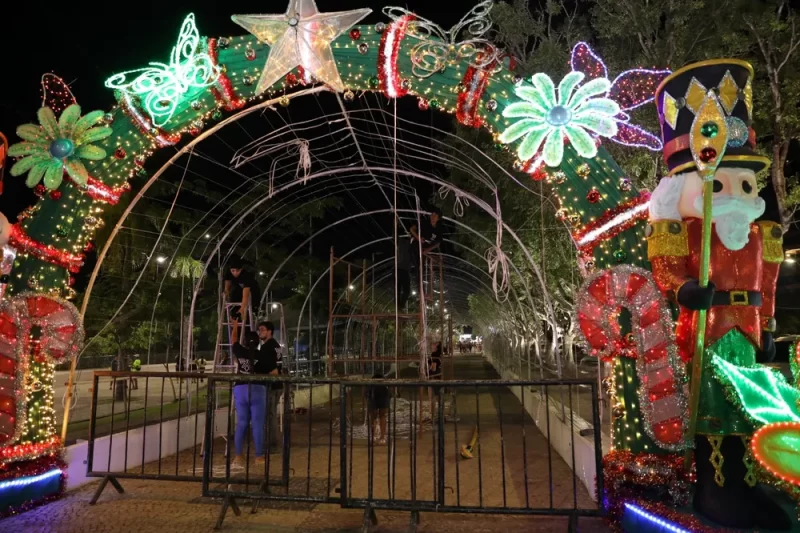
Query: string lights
[56, 94]
[162, 87]
[225, 79]
[762, 393]
[651, 343]
[630, 89]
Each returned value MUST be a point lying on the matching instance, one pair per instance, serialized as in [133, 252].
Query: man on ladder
[241, 291]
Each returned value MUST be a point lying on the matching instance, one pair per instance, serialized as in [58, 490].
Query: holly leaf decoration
[762, 393]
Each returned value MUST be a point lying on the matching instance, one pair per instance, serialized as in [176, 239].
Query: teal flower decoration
[57, 146]
[548, 115]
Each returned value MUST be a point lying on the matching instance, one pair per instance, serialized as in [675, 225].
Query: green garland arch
[53, 235]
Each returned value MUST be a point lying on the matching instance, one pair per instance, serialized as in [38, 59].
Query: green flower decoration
[55, 146]
[548, 115]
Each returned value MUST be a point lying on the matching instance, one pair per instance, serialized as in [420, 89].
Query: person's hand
[692, 296]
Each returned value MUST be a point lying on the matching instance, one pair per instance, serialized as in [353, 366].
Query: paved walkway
[507, 472]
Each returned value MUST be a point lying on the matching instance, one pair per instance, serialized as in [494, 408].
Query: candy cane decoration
[60, 338]
[662, 393]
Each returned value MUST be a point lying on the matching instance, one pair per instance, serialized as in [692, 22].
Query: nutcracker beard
[732, 216]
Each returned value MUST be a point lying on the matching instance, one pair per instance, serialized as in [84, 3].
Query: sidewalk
[170, 507]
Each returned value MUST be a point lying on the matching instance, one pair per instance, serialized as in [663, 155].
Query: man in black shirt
[430, 236]
[250, 398]
[241, 288]
[270, 350]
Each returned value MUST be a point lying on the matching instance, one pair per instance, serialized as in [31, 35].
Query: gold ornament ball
[618, 411]
[284, 101]
[33, 282]
[349, 95]
[608, 385]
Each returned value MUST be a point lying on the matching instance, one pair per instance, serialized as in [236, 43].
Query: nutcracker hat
[679, 98]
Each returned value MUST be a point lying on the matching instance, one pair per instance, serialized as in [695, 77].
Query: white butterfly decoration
[162, 87]
[439, 47]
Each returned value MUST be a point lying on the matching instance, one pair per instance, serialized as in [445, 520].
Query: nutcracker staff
[710, 102]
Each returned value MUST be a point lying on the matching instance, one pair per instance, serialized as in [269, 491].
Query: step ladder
[223, 355]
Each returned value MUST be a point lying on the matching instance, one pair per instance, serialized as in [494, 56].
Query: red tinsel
[535, 168]
[24, 244]
[628, 476]
[388, 76]
[607, 217]
[99, 191]
[223, 90]
[475, 81]
[20, 452]
[34, 468]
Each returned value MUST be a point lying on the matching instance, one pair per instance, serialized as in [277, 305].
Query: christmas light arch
[85, 161]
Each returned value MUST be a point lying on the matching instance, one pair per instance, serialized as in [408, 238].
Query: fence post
[209, 433]
[440, 451]
[343, 443]
[92, 425]
[598, 447]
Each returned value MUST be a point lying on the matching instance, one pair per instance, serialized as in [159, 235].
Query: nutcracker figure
[739, 299]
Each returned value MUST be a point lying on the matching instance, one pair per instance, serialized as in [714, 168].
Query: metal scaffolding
[432, 306]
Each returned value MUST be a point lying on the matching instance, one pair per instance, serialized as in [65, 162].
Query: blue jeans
[251, 409]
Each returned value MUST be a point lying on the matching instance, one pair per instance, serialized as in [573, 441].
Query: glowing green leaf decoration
[57, 146]
[162, 86]
[764, 394]
[548, 115]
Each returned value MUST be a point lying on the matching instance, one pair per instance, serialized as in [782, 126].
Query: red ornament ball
[39, 190]
[593, 197]
[291, 79]
[355, 34]
[71, 281]
[708, 154]
[423, 104]
[120, 153]
[89, 247]
[55, 195]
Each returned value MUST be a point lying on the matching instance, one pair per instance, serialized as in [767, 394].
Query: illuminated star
[300, 37]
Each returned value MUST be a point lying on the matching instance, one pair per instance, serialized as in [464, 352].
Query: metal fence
[150, 434]
[416, 446]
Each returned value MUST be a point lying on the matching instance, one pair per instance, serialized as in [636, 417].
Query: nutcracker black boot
[721, 493]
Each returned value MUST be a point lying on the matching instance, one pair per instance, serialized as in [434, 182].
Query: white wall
[561, 432]
[148, 436]
[76, 455]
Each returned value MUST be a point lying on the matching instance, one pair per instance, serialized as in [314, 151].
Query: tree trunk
[780, 149]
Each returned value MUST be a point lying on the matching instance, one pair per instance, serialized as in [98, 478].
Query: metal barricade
[419, 446]
[148, 415]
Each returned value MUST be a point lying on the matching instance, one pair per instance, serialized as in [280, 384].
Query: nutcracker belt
[737, 298]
